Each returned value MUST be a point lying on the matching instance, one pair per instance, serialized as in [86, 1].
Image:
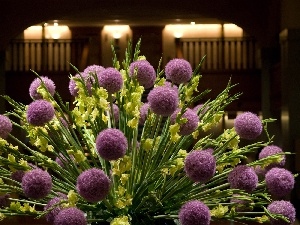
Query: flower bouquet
[137, 147]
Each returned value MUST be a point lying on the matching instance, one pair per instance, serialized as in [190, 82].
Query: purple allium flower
[194, 213]
[87, 80]
[260, 172]
[111, 79]
[163, 100]
[240, 205]
[93, 185]
[145, 74]
[111, 144]
[40, 112]
[178, 71]
[96, 69]
[50, 216]
[70, 216]
[280, 181]
[36, 184]
[284, 208]
[243, 177]
[200, 166]
[5, 126]
[62, 160]
[272, 150]
[4, 201]
[49, 84]
[18, 175]
[169, 84]
[190, 125]
[116, 112]
[248, 125]
[143, 113]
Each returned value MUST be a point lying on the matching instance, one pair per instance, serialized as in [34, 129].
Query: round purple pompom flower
[111, 144]
[190, 125]
[49, 84]
[272, 150]
[280, 182]
[243, 177]
[143, 113]
[169, 84]
[260, 172]
[194, 213]
[40, 112]
[200, 166]
[5, 126]
[70, 216]
[116, 112]
[88, 80]
[18, 175]
[50, 216]
[163, 100]
[248, 125]
[95, 69]
[36, 184]
[178, 71]
[93, 185]
[145, 74]
[284, 208]
[111, 79]
[4, 201]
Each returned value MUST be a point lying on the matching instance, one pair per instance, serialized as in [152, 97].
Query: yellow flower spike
[133, 123]
[11, 158]
[3, 142]
[15, 206]
[79, 156]
[120, 204]
[2, 216]
[72, 198]
[195, 134]
[121, 220]
[219, 211]
[147, 145]
[124, 178]
[104, 118]
[1, 181]
[161, 82]
[174, 129]
[121, 191]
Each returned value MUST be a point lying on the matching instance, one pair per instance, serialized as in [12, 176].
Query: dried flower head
[70, 216]
[248, 125]
[284, 208]
[93, 185]
[190, 125]
[163, 100]
[36, 83]
[36, 183]
[243, 177]
[200, 165]
[40, 112]
[111, 144]
[280, 181]
[178, 71]
[50, 216]
[272, 150]
[143, 113]
[194, 213]
[111, 79]
[5, 126]
[145, 74]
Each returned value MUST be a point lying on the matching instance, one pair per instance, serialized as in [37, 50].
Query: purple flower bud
[50, 216]
[272, 150]
[49, 84]
[40, 112]
[36, 184]
[5, 126]
[194, 213]
[111, 79]
[143, 113]
[190, 125]
[200, 165]
[178, 71]
[284, 208]
[111, 144]
[70, 216]
[243, 177]
[280, 182]
[163, 100]
[145, 74]
[248, 126]
[93, 185]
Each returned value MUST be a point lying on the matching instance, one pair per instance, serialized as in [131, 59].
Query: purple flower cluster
[143, 113]
[200, 165]
[88, 80]
[93, 185]
[49, 84]
[284, 208]
[18, 175]
[163, 100]
[194, 213]
[95, 69]
[240, 205]
[36, 183]
[248, 125]
[169, 84]
[70, 216]
[50, 216]
[243, 177]
[178, 71]
[5, 126]
[111, 79]
[111, 144]
[62, 160]
[280, 182]
[190, 125]
[272, 150]
[40, 112]
[116, 112]
[145, 74]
